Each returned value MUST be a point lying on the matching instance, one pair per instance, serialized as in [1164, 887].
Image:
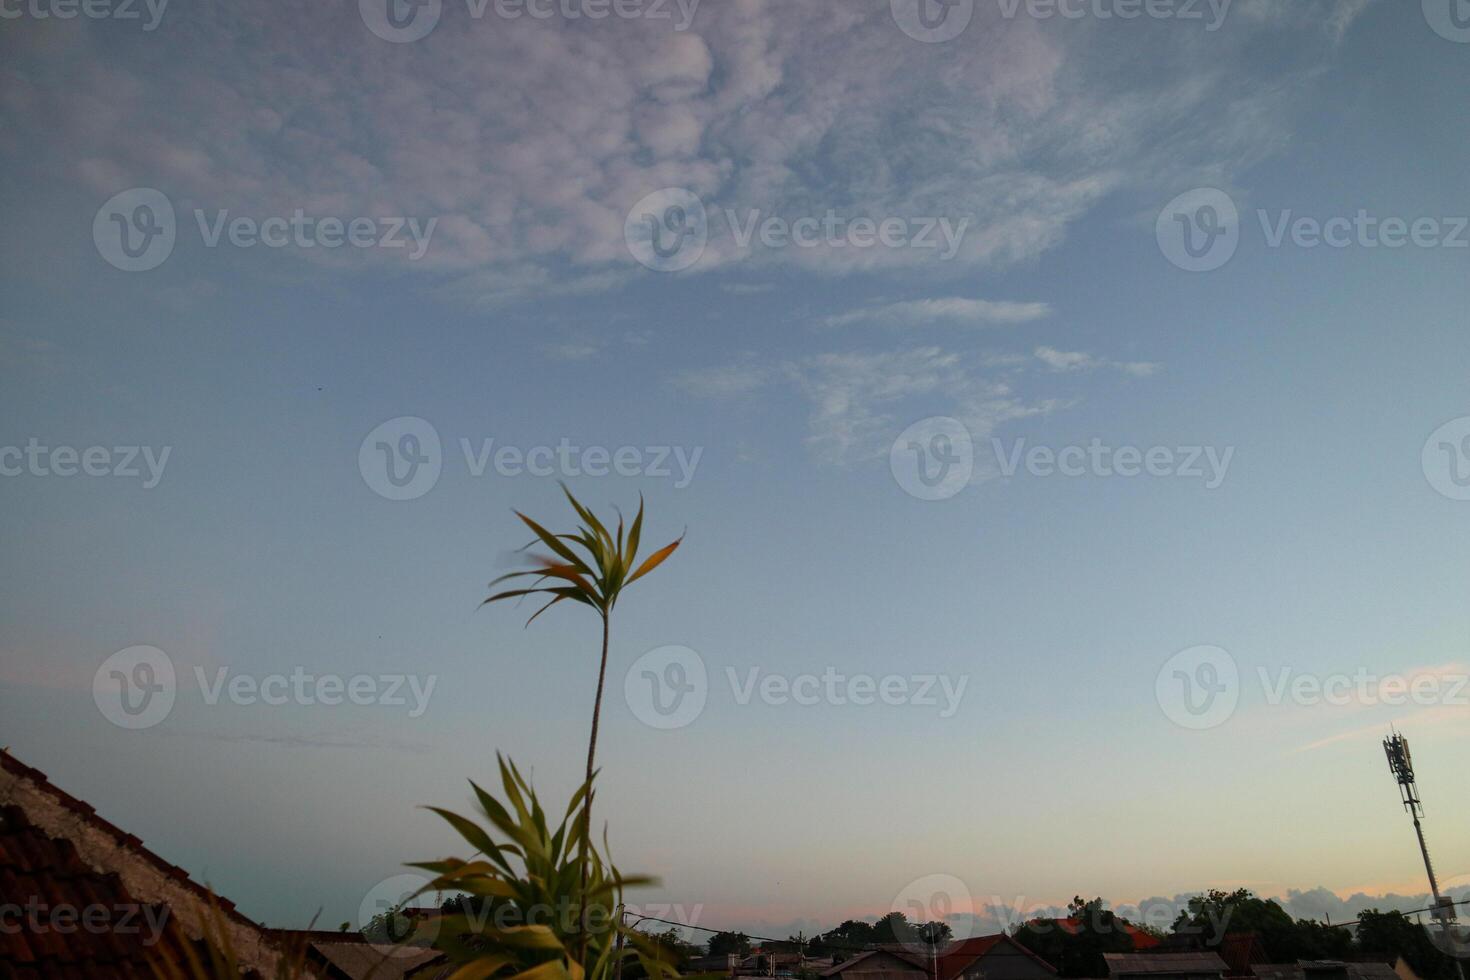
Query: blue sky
[1330, 546]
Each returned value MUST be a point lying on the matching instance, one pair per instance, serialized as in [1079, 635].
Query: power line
[1431, 908]
[817, 940]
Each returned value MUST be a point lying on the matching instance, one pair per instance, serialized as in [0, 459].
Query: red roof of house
[1141, 940]
[958, 956]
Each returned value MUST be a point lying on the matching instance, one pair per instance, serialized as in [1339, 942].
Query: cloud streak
[951, 310]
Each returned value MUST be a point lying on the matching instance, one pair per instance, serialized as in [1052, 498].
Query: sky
[1065, 409]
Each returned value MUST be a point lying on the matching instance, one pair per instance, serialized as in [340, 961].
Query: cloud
[952, 310]
[571, 351]
[530, 140]
[859, 400]
[725, 381]
[1060, 360]
[1340, 20]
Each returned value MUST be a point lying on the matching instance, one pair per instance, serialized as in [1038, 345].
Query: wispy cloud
[1061, 360]
[1340, 20]
[571, 351]
[954, 310]
[859, 400]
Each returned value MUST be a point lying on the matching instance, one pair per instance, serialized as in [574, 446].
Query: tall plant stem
[597, 706]
[587, 804]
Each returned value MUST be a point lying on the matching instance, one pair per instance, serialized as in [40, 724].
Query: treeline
[1209, 918]
[1077, 950]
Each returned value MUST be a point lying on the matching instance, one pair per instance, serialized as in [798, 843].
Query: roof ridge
[130, 842]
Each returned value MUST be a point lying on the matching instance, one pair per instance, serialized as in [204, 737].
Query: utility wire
[815, 940]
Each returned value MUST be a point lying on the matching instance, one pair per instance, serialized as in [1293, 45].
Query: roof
[1308, 969]
[1141, 940]
[958, 956]
[1125, 964]
[880, 962]
[101, 885]
[350, 956]
[47, 876]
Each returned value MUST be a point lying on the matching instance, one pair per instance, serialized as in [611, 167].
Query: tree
[1216, 914]
[595, 580]
[843, 941]
[935, 934]
[1077, 949]
[894, 927]
[725, 943]
[1392, 934]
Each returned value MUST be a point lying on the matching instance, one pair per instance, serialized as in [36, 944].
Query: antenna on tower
[1401, 764]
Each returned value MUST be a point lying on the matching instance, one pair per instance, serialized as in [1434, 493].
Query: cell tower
[1401, 764]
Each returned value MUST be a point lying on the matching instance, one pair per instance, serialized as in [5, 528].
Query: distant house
[1324, 970]
[997, 957]
[1165, 966]
[880, 964]
[350, 956]
[721, 963]
[1241, 951]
